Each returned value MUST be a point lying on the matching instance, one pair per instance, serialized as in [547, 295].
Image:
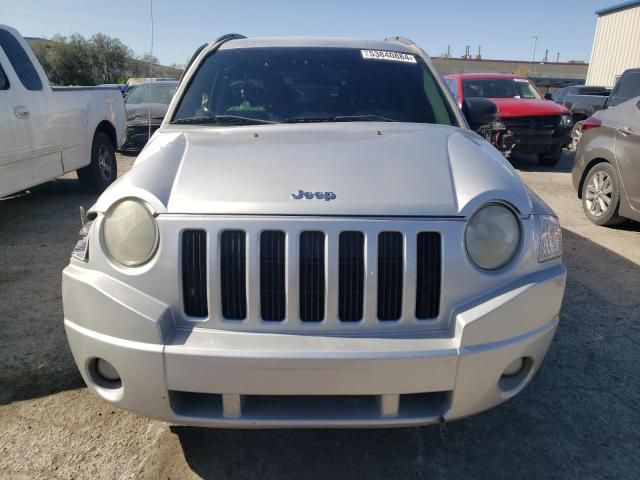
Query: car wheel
[103, 169]
[576, 133]
[601, 195]
[551, 158]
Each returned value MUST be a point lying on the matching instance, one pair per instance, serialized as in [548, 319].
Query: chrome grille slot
[390, 273]
[359, 275]
[312, 276]
[272, 276]
[350, 276]
[233, 274]
[194, 273]
[428, 275]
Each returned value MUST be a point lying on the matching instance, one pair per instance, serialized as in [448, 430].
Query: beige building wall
[616, 46]
[575, 70]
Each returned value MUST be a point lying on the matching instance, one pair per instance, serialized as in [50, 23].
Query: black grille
[272, 276]
[194, 272]
[350, 276]
[429, 271]
[390, 273]
[533, 124]
[233, 267]
[312, 276]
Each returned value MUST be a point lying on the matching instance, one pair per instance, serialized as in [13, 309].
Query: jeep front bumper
[218, 378]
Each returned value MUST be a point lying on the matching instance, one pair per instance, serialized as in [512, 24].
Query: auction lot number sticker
[385, 55]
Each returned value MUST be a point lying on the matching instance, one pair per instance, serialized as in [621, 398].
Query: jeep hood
[374, 169]
[520, 107]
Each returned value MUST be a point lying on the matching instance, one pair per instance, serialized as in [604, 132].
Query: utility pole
[479, 57]
[535, 45]
[546, 56]
[448, 51]
[557, 57]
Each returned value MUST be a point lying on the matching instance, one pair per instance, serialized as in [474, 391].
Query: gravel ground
[580, 418]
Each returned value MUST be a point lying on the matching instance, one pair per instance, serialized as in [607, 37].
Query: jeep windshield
[246, 86]
[500, 88]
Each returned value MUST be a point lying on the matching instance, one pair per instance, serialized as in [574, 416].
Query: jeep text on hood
[314, 238]
[374, 169]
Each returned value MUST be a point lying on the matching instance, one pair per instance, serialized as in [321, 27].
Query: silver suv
[314, 237]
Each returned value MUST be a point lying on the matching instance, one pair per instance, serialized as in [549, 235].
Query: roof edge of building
[617, 7]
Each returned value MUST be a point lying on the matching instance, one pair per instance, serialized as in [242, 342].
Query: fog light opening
[514, 368]
[516, 375]
[105, 374]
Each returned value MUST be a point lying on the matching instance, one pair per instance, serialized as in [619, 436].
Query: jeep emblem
[326, 196]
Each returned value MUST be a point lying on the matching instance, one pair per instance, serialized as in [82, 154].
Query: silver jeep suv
[314, 237]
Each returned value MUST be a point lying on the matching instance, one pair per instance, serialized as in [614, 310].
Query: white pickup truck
[48, 131]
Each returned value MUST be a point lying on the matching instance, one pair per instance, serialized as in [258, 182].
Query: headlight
[498, 125]
[550, 238]
[81, 250]
[130, 233]
[492, 237]
[566, 121]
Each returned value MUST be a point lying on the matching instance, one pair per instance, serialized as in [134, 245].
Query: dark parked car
[606, 173]
[146, 106]
[582, 101]
[583, 106]
[591, 90]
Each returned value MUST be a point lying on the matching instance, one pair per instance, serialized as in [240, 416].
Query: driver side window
[4, 81]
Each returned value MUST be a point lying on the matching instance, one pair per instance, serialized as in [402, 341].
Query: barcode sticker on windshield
[384, 55]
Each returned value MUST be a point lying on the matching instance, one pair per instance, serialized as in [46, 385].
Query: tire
[103, 169]
[552, 158]
[601, 195]
[576, 133]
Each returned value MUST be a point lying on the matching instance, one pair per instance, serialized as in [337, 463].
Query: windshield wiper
[220, 119]
[341, 118]
[364, 118]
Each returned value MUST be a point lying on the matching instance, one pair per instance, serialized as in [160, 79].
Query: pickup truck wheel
[601, 195]
[103, 169]
[576, 133]
[551, 158]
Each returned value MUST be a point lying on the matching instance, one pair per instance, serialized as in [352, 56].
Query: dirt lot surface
[580, 418]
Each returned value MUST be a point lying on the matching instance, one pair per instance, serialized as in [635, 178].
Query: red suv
[527, 122]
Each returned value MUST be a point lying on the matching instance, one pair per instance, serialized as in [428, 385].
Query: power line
[150, 67]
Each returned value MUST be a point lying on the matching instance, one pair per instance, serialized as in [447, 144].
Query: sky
[504, 29]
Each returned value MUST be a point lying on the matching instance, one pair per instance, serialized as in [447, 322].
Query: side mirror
[479, 112]
[548, 96]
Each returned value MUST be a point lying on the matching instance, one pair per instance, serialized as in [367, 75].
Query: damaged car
[314, 237]
[527, 123]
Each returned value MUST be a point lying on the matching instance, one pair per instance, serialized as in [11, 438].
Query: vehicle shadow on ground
[578, 419]
[629, 226]
[529, 163]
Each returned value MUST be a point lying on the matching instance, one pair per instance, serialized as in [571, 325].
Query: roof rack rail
[192, 59]
[229, 36]
[399, 39]
[218, 41]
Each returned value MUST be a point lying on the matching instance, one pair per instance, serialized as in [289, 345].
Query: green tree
[75, 60]
[72, 61]
[110, 58]
[43, 51]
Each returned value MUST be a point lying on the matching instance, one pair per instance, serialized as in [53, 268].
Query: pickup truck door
[37, 153]
[628, 151]
[628, 87]
[7, 134]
